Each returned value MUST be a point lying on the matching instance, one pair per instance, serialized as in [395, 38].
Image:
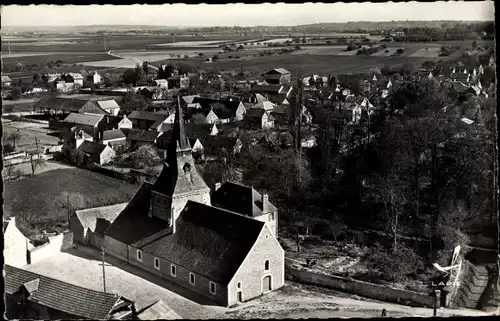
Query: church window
[139, 255]
[266, 265]
[191, 279]
[157, 263]
[186, 168]
[173, 270]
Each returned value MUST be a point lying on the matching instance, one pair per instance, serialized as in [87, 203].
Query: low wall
[16, 155]
[55, 245]
[366, 289]
[25, 159]
[31, 120]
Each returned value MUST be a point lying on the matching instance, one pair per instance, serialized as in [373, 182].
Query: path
[140, 62]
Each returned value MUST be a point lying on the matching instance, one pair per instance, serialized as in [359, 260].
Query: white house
[125, 123]
[77, 78]
[111, 106]
[16, 245]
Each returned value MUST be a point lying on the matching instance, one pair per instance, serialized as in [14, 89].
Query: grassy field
[28, 133]
[68, 58]
[35, 198]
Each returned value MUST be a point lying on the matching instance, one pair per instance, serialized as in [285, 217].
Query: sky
[244, 15]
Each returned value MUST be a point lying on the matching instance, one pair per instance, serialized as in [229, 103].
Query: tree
[139, 71]
[36, 161]
[474, 44]
[144, 155]
[145, 68]
[391, 191]
[198, 118]
[133, 101]
[16, 93]
[130, 76]
[13, 136]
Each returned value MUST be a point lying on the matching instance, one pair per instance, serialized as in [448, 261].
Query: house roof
[282, 71]
[146, 115]
[142, 135]
[255, 112]
[6, 79]
[65, 104]
[113, 134]
[212, 144]
[91, 148]
[158, 310]
[160, 81]
[266, 88]
[265, 105]
[260, 98]
[459, 75]
[240, 199]
[189, 99]
[92, 218]
[160, 126]
[108, 104]
[198, 130]
[209, 241]
[83, 119]
[61, 296]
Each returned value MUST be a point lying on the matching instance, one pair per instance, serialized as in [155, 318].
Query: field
[35, 198]
[67, 58]
[28, 132]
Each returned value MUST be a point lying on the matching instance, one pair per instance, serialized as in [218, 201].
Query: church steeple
[179, 142]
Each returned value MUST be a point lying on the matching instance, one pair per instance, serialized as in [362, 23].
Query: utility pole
[9, 48]
[103, 270]
[68, 206]
[105, 44]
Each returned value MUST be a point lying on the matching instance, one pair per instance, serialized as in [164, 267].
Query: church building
[226, 250]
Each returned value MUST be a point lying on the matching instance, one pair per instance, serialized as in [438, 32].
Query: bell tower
[179, 180]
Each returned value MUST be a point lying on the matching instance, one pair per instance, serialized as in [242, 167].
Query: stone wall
[366, 289]
[53, 247]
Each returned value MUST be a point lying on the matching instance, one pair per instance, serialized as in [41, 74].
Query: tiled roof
[6, 79]
[260, 98]
[265, 105]
[208, 241]
[145, 115]
[108, 104]
[89, 218]
[66, 104]
[91, 148]
[279, 70]
[61, 296]
[83, 119]
[212, 144]
[240, 199]
[198, 130]
[113, 134]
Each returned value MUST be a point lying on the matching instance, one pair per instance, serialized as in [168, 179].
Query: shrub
[396, 265]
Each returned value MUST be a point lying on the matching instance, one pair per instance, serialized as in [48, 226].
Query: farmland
[9, 63]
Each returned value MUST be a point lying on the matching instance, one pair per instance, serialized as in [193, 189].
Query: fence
[365, 289]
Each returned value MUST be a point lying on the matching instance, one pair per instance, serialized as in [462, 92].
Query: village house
[96, 152]
[170, 229]
[161, 83]
[73, 138]
[94, 78]
[114, 138]
[6, 82]
[92, 124]
[33, 296]
[277, 76]
[77, 78]
[257, 118]
[125, 123]
[144, 119]
[230, 109]
[65, 106]
[274, 93]
[162, 126]
[16, 245]
[194, 132]
[110, 106]
[136, 136]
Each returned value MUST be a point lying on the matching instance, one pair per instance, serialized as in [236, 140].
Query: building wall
[107, 155]
[252, 271]
[180, 201]
[212, 118]
[266, 122]
[202, 284]
[77, 229]
[125, 123]
[240, 112]
[115, 248]
[285, 79]
[15, 245]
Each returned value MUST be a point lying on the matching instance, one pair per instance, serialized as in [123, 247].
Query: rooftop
[84, 119]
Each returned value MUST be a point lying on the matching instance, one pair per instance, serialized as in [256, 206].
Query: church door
[266, 284]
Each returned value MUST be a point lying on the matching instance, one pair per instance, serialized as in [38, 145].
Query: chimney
[217, 186]
[265, 203]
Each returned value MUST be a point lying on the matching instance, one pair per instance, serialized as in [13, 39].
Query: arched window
[187, 168]
[266, 265]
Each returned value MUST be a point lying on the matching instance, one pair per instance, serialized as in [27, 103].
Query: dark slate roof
[61, 296]
[142, 135]
[209, 241]
[266, 88]
[113, 134]
[212, 144]
[173, 180]
[91, 148]
[197, 130]
[133, 224]
[66, 104]
[146, 115]
[278, 71]
[240, 199]
[255, 113]
[83, 119]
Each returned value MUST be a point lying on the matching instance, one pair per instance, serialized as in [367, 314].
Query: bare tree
[36, 161]
[14, 136]
[9, 169]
